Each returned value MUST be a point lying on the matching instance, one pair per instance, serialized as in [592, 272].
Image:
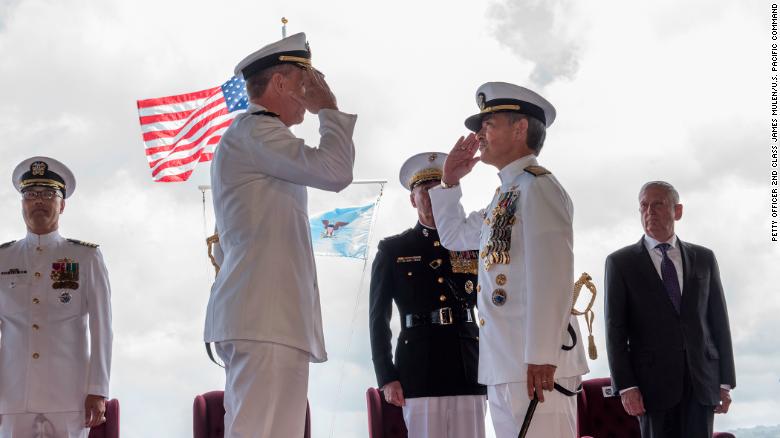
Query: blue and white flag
[342, 232]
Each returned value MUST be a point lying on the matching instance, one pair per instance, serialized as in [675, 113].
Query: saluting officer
[530, 342]
[434, 377]
[55, 317]
[264, 309]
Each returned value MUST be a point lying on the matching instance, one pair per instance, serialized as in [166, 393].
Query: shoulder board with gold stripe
[265, 113]
[537, 170]
[7, 244]
[83, 243]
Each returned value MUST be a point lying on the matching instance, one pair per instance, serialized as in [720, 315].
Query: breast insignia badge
[499, 297]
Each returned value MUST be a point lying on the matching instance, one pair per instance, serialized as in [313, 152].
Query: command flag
[342, 232]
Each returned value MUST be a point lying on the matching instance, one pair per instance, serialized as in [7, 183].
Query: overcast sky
[644, 91]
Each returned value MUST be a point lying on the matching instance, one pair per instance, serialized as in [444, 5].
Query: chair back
[384, 420]
[600, 413]
[208, 416]
[109, 429]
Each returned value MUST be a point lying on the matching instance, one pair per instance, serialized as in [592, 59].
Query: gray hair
[670, 190]
[536, 131]
[257, 83]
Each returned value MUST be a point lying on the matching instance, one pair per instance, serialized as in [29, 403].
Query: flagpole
[357, 297]
[284, 27]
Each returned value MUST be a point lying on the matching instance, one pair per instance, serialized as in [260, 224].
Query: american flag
[181, 131]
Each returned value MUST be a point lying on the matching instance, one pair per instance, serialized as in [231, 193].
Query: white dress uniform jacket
[56, 335]
[528, 324]
[266, 289]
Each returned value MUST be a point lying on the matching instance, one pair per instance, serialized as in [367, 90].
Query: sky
[643, 90]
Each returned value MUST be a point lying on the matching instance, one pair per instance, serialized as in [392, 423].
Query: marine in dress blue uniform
[434, 374]
[55, 317]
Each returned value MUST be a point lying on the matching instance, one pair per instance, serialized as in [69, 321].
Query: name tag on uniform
[13, 271]
[408, 259]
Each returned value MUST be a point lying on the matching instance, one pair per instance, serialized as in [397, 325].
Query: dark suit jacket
[430, 360]
[648, 343]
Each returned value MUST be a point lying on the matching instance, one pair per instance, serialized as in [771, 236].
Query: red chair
[384, 420]
[208, 416]
[109, 429]
[600, 413]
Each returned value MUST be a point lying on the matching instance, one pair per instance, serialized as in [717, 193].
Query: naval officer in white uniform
[529, 341]
[55, 317]
[264, 309]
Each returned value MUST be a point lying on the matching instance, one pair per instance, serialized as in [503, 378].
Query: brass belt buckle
[445, 316]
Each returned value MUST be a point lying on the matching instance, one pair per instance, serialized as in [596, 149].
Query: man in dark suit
[434, 377]
[668, 337]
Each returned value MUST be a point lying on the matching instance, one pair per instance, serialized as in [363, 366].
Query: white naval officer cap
[293, 49]
[44, 172]
[421, 168]
[496, 97]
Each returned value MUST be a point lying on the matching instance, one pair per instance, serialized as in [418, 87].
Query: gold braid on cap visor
[492, 109]
[41, 182]
[304, 62]
[424, 175]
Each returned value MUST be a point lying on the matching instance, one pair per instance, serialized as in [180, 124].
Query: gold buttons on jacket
[36, 355]
[436, 243]
[36, 326]
[442, 298]
[481, 321]
[479, 288]
[37, 275]
[406, 341]
[501, 279]
[440, 280]
[36, 301]
[409, 273]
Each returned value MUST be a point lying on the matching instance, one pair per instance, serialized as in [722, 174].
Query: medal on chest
[496, 250]
[65, 275]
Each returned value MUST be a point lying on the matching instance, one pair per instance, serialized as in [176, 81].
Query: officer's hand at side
[393, 393]
[632, 402]
[540, 378]
[317, 94]
[94, 410]
[725, 401]
[460, 160]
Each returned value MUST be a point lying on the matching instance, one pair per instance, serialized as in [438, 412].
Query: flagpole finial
[284, 27]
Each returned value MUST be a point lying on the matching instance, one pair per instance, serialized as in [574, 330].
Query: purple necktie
[669, 276]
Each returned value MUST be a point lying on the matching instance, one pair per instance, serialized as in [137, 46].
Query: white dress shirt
[266, 289]
[531, 325]
[56, 340]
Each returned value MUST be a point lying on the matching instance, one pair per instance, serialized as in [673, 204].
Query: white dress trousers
[53, 425]
[456, 416]
[555, 418]
[265, 389]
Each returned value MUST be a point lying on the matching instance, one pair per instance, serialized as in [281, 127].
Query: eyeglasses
[43, 194]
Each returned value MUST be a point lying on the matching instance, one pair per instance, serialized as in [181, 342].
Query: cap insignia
[481, 100]
[432, 157]
[38, 168]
